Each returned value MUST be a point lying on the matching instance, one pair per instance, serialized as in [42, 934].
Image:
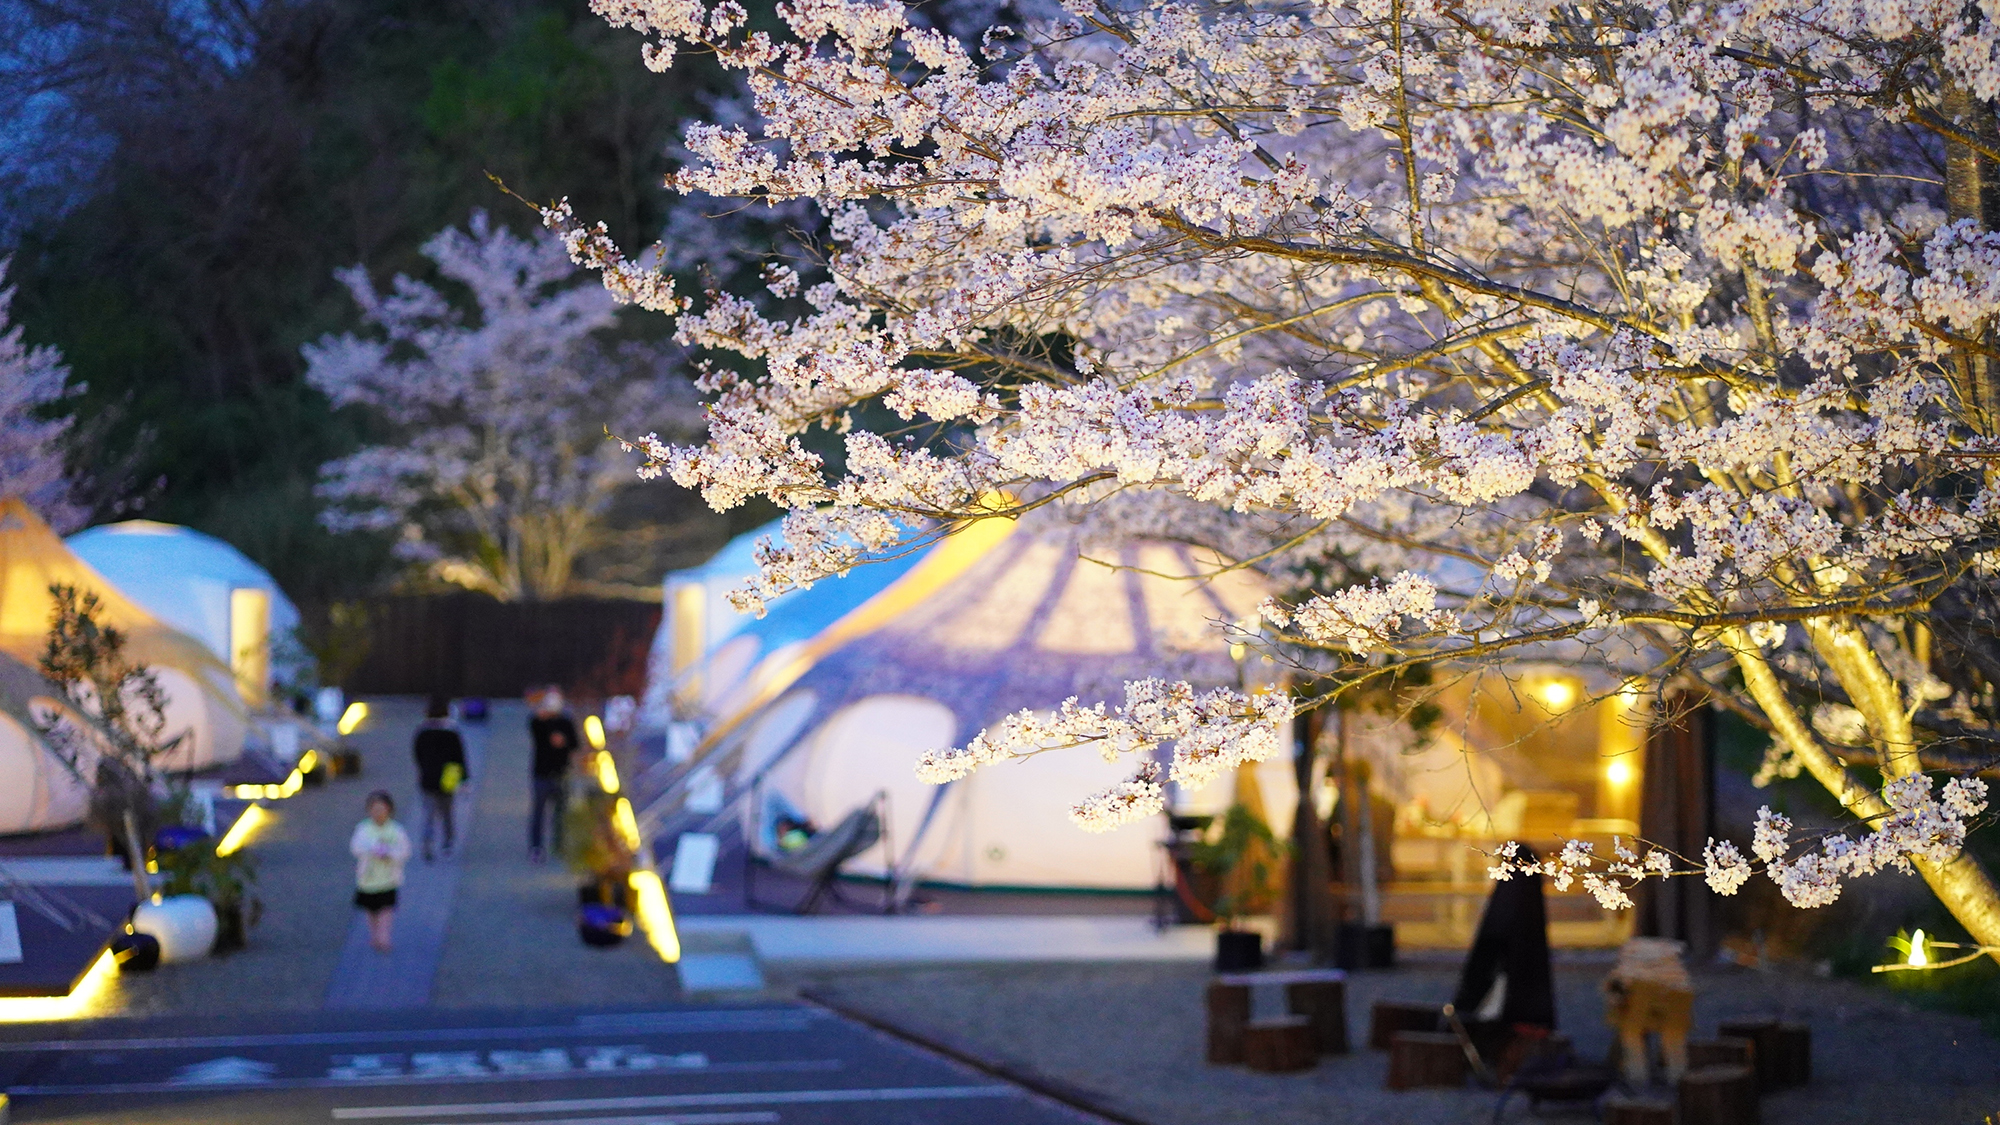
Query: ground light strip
[656, 918]
[245, 827]
[81, 999]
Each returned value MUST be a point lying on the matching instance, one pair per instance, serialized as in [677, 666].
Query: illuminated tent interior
[832, 696]
[202, 698]
[203, 587]
[1538, 753]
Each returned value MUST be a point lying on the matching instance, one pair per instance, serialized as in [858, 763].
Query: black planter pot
[136, 953]
[1238, 951]
[1359, 946]
[230, 932]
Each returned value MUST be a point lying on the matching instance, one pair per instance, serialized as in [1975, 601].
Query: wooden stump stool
[1793, 1048]
[1324, 1002]
[1784, 1051]
[1426, 1058]
[1727, 1051]
[1392, 1016]
[1635, 1109]
[1719, 1095]
[1228, 1018]
[1281, 1045]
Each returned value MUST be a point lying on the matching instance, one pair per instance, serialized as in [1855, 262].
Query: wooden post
[1391, 1016]
[1228, 1018]
[1281, 1045]
[1325, 1004]
[1719, 1095]
[1426, 1058]
[1676, 812]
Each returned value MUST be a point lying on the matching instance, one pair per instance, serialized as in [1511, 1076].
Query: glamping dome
[201, 690]
[835, 693]
[199, 585]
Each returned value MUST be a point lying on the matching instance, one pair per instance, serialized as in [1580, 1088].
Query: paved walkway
[402, 978]
[489, 930]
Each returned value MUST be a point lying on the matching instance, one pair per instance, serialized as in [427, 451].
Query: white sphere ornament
[184, 925]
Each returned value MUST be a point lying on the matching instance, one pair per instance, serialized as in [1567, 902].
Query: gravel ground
[1131, 1036]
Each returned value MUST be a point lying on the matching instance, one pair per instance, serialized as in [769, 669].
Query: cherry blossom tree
[1658, 337]
[500, 474]
[31, 452]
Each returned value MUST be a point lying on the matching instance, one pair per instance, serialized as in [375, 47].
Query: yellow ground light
[86, 999]
[649, 901]
[239, 834]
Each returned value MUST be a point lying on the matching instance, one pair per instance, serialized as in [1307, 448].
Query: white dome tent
[201, 690]
[201, 586]
[988, 622]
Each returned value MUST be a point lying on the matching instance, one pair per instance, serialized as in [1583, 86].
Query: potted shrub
[226, 881]
[1243, 858]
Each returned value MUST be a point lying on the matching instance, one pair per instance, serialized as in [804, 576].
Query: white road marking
[676, 1101]
[227, 1071]
[445, 1077]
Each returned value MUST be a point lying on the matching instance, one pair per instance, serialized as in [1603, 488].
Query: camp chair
[819, 861]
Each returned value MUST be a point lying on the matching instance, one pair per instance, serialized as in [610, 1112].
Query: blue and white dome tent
[205, 588]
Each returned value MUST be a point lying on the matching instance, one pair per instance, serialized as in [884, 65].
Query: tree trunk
[1961, 885]
[1972, 191]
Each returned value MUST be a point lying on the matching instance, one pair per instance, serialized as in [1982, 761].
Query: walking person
[440, 754]
[380, 848]
[554, 738]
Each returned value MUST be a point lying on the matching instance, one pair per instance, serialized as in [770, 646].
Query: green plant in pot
[1245, 860]
[226, 881]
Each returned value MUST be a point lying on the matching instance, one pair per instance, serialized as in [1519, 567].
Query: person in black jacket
[554, 737]
[438, 748]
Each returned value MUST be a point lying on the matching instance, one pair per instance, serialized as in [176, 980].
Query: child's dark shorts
[371, 901]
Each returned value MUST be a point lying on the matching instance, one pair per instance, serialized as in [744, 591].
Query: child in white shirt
[380, 848]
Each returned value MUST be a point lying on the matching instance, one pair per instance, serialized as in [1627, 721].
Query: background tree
[32, 389]
[499, 470]
[180, 179]
[1655, 338]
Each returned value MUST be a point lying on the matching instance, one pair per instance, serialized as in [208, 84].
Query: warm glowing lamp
[607, 772]
[1919, 956]
[351, 718]
[1618, 772]
[1558, 694]
[626, 823]
[593, 730]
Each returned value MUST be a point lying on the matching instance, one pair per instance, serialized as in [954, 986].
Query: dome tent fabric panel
[1019, 625]
[201, 690]
[187, 580]
[37, 791]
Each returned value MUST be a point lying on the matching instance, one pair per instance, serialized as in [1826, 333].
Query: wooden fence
[471, 645]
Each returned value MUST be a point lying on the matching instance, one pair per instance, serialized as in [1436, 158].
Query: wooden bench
[1718, 1095]
[1318, 996]
[1783, 1057]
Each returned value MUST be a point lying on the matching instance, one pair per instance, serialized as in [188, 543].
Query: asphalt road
[775, 1064]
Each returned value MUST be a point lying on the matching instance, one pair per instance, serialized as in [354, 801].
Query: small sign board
[694, 863]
